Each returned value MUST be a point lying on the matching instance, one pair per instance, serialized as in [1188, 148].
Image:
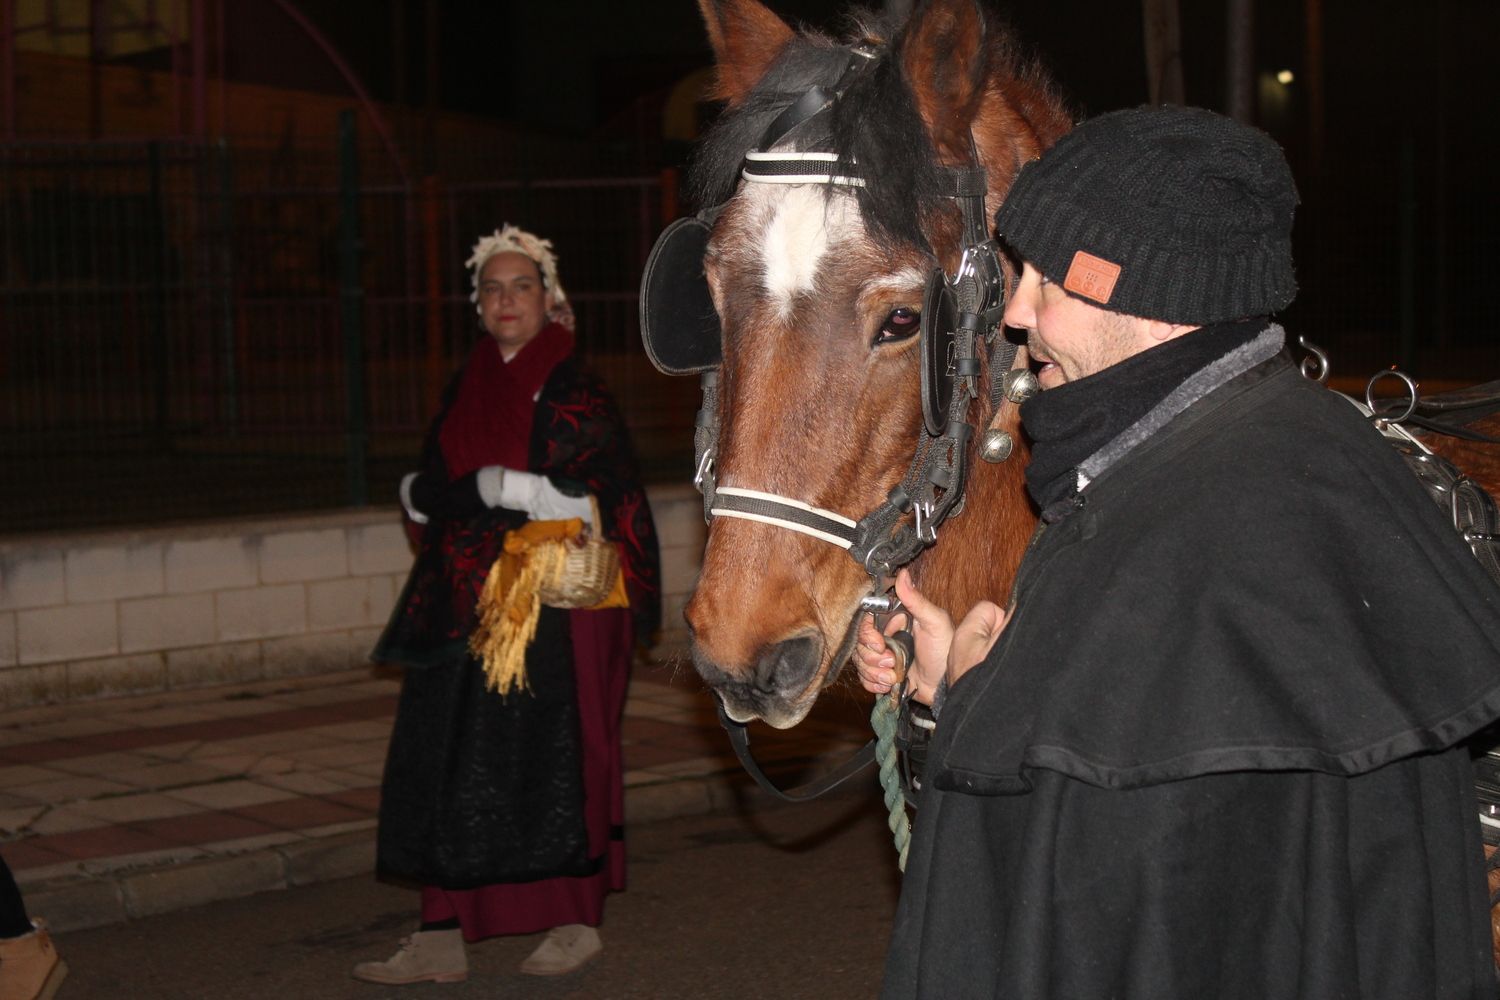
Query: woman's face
[512, 302]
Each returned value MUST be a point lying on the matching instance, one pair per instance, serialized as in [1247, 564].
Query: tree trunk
[1239, 60]
[1313, 26]
[1163, 51]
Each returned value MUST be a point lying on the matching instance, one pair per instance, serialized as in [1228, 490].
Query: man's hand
[941, 648]
[974, 638]
[931, 631]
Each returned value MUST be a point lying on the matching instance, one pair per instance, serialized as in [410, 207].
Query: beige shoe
[29, 966]
[426, 956]
[565, 949]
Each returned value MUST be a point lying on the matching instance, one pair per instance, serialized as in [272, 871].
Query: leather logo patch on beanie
[1092, 277]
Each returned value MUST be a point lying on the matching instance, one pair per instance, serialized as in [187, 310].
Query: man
[1213, 748]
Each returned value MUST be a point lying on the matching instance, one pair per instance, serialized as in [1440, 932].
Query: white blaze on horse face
[802, 221]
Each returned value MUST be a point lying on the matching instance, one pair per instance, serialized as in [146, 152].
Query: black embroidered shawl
[580, 442]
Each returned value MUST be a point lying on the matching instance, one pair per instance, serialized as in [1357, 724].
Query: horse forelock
[874, 124]
[875, 127]
[807, 61]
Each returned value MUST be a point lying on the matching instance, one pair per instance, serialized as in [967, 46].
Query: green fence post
[231, 402]
[351, 297]
[156, 269]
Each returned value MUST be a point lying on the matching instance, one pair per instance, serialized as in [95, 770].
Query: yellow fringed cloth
[511, 600]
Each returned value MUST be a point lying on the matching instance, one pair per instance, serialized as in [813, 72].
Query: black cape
[1214, 752]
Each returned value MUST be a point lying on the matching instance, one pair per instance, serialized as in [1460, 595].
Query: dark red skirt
[602, 644]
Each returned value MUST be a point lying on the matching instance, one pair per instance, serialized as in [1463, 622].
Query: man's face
[1071, 338]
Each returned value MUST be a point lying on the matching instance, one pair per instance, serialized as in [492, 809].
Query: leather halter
[933, 487]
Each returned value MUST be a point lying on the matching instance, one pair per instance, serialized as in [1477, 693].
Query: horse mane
[875, 124]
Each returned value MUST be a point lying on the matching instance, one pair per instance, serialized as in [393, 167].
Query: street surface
[776, 902]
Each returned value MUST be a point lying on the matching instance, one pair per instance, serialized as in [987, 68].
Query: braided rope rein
[883, 719]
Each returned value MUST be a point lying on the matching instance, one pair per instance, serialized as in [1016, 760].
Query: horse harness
[961, 315]
[1467, 504]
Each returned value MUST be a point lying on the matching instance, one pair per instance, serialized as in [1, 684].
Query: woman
[508, 810]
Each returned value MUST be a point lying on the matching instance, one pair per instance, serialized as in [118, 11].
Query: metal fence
[201, 330]
[193, 331]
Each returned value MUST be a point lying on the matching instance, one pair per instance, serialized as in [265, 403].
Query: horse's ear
[943, 54]
[746, 38]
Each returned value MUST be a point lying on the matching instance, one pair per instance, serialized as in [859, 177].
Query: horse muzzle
[777, 686]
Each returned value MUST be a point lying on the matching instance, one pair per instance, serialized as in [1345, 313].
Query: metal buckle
[705, 469]
[926, 530]
[979, 262]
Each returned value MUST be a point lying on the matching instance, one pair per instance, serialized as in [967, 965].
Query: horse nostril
[786, 665]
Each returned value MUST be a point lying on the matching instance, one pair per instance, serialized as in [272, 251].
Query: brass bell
[1019, 385]
[996, 445]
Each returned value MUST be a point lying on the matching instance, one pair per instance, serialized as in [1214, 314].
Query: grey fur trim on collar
[1263, 347]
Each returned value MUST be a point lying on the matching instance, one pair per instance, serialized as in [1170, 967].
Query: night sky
[573, 65]
[1392, 75]
[1396, 228]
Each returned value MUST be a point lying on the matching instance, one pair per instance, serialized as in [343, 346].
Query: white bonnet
[514, 239]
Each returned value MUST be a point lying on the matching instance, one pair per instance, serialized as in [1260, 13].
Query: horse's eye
[899, 325]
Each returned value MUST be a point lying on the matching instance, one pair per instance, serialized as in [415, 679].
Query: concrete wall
[112, 613]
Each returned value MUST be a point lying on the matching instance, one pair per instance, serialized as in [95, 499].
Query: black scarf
[1073, 421]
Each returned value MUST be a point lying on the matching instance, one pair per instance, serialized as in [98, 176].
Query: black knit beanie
[1170, 213]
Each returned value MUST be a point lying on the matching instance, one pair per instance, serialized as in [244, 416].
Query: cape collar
[1081, 429]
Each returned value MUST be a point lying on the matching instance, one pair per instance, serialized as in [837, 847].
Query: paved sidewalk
[127, 807]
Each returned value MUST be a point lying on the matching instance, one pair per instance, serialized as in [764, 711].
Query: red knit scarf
[490, 420]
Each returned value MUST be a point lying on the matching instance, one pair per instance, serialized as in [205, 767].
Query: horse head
[819, 283]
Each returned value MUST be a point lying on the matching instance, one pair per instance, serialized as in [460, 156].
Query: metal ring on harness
[1411, 395]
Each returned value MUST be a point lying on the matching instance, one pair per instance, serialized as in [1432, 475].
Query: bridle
[961, 316]
[968, 307]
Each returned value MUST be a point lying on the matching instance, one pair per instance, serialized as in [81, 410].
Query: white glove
[530, 492]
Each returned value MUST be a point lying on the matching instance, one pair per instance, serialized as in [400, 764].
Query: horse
[818, 386]
[819, 289]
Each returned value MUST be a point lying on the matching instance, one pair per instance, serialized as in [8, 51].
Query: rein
[739, 739]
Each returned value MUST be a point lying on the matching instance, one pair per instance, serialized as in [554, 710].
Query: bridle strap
[768, 508]
[797, 168]
[815, 100]
[739, 739]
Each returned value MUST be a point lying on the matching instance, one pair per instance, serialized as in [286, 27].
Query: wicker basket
[586, 574]
[563, 564]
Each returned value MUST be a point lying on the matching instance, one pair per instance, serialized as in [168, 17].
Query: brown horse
[818, 288]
